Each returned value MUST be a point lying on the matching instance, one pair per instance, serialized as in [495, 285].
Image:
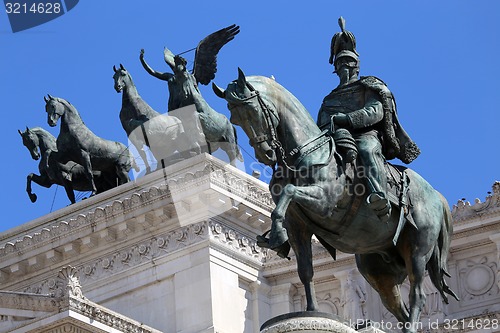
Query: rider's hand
[340, 119]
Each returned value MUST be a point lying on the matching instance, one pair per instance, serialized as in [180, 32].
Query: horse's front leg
[87, 167]
[278, 235]
[313, 198]
[68, 186]
[300, 240]
[42, 180]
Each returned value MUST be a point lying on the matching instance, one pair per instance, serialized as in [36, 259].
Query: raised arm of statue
[162, 76]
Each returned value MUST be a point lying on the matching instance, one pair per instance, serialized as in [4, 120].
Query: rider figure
[366, 108]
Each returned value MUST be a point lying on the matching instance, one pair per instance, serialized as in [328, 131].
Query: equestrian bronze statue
[317, 192]
[184, 91]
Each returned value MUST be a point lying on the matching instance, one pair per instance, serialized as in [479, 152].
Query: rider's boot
[380, 205]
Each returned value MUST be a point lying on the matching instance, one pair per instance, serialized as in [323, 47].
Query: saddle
[397, 193]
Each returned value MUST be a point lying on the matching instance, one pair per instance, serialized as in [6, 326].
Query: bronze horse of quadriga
[77, 143]
[314, 196]
[164, 134]
[70, 175]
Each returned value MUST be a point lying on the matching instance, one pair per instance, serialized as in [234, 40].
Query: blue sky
[439, 58]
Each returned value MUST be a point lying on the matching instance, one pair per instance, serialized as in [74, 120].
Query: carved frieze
[231, 242]
[477, 278]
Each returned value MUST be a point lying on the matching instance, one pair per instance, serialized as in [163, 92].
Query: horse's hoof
[277, 238]
[278, 242]
[262, 241]
[283, 250]
[33, 197]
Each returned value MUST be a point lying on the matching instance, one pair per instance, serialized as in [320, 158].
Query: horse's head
[251, 111]
[54, 109]
[30, 141]
[121, 77]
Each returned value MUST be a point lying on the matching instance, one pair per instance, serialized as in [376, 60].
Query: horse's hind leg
[415, 264]
[385, 277]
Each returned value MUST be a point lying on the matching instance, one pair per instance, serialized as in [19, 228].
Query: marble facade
[175, 251]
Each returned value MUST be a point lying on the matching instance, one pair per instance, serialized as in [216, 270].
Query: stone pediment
[67, 310]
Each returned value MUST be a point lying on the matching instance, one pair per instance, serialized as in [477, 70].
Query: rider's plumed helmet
[343, 45]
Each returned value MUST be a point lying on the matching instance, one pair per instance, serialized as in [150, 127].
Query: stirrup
[282, 249]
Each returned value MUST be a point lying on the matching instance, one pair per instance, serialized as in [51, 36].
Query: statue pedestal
[306, 322]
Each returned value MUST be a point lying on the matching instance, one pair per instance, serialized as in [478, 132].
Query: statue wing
[168, 56]
[205, 61]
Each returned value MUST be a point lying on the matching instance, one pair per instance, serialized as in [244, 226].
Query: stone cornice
[28, 301]
[107, 317]
[221, 237]
[203, 169]
[236, 245]
[155, 207]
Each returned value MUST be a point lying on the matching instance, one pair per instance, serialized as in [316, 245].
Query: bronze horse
[77, 143]
[184, 91]
[314, 196]
[163, 134]
[70, 175]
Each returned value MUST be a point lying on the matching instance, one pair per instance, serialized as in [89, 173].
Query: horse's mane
[127, 73]
[269, 90]
[68, 105]
[42, 132]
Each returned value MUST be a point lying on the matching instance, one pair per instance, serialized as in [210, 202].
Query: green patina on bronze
[183, 91]
[70, 175]
[319, 166]
[77, 143]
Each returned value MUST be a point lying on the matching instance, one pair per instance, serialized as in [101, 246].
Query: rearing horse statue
[70, 175]
[317, 198]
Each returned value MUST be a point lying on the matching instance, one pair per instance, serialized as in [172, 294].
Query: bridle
[273, 137]
[268, 115]
[55, 108]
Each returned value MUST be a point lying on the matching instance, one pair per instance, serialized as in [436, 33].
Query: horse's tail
[236, 147]
[438, 262]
